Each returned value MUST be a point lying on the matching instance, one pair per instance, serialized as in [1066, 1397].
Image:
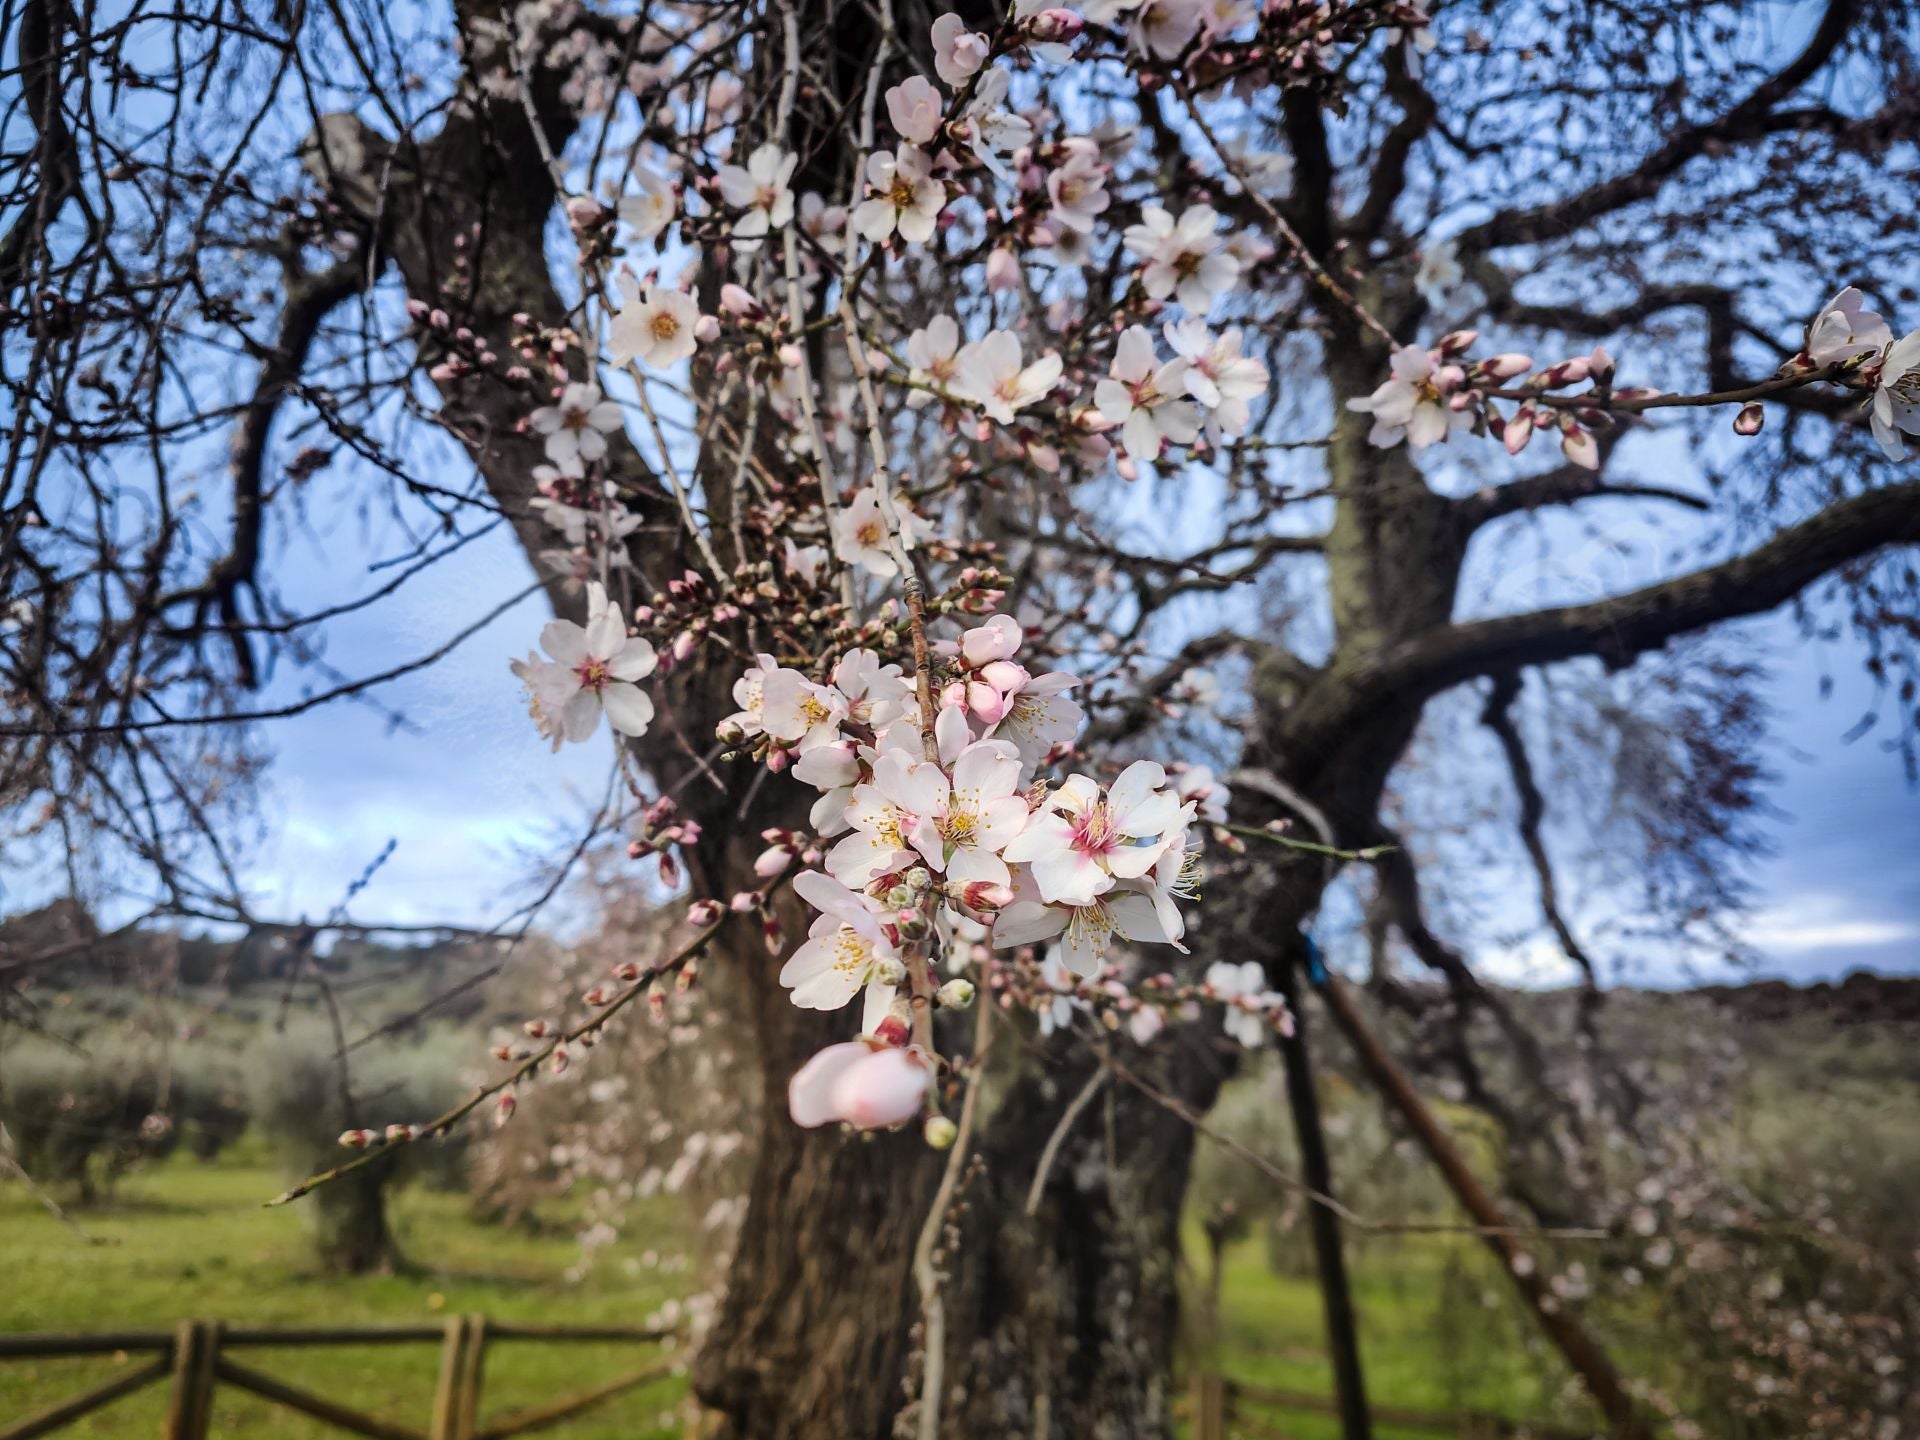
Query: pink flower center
[592, 673]
[1095, 831]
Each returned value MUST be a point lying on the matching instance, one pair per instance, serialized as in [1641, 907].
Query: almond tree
[902, 411]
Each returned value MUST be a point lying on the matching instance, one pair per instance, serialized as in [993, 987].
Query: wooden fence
[1223, 1408]
[197, 1357]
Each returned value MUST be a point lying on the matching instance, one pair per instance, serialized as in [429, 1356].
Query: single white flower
[799, 714]
[760, 190]
[860, 533]
[1182, 259]
[1146, 399]
[846, 951]
[1218, 375]
[932, 352]
[915, 108]
[576, 425]
[994, 129]
[804, 562]
[1896, 398]
[592, 668]
[958, 53]
[654, 326]
[1412, 404]
[879, 823]
[905, 197]
[1085, 838]
[1440, 274]
[1038, 717]
[1077, 186]
[1843, 331]
[991, 375]
[963, 821]
[1248, 1000]
[653, 209]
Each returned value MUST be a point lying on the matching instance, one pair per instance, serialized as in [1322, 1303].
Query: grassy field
[189, 1239]
[186, 1239]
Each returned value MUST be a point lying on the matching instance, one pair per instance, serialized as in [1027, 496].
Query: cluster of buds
[466, 352]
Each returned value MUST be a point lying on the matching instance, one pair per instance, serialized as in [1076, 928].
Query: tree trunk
[1060, 1325]
[352, 1235]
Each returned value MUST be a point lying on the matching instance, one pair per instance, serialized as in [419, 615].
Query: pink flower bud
[538, 1029]
[1600, 365]
[772, 861]
[417, 309]
[1054, 27]
[985, 895]
[584, 213]
[626, 972]
[1580, 447]
[596, 997]
[1506, 366]
[503, 1108]
[706, 329]
[703, 913]
[561, 1061]
[1751, 417]
[863, 1087]
[743, 901]
[736, 300]
[356, 1139]
[1519, 430]
[399, 1133]
[1457, 342]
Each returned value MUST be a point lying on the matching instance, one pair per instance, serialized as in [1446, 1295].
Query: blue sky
[474, 798]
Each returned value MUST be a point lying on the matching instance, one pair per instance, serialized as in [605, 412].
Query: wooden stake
[1586, 1357]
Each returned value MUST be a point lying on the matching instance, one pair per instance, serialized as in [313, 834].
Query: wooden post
[1586, 1357]
[1209, 1406]
[1336, 1292]
[448, 1393]
[196, 1345]
[467, 1383]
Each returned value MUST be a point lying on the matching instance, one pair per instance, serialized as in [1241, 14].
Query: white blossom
[576, 425]
[654, 326]
[905, 197]
[1147, 399]
[592, 668]
[1183, 259]
[990, 374]
[759, 189]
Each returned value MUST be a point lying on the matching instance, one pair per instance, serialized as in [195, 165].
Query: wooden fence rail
[194, 1359]
[1223, 1408]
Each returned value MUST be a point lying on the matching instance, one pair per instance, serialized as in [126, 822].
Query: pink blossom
[860, 1085]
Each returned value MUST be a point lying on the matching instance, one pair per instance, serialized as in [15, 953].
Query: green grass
[186, 1239]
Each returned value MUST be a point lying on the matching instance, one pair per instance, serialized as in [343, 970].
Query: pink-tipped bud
[772, 861]
[1600, 366]
[626, 972]
[1580, 447]
[703, 913]
[770, 932]
[584, 213]
[743, 901]
[1054, 27]
[737, 300]
[596, 997]
[356, 1139]
[399, 1133]
[1519, 430]
[985, 895]
[1457, 342]
[538, 1029]
[417, 309]
[656, 1007]
[1751, 417]
[689, 975]
[503, 1108]
[706, 329]
[560, 1062]
[1506, 366]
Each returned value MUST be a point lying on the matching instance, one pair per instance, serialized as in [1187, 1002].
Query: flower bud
[503, 1108]
[703, 913]
[940, 1132]
[772, 861]
[397, 1133]
[1751, 417]
[889, 971]
[956, 994]
[1055, 26]
[356, 1139]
